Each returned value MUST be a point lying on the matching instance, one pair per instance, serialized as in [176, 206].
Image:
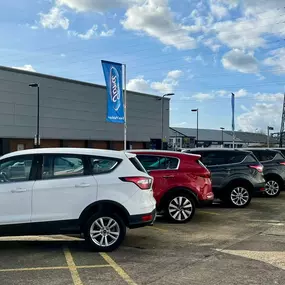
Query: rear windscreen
[250, 158]
[137, 164]
[279, 156]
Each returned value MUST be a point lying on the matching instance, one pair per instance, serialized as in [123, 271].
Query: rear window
[153, 162]
[267, 155]
[279, 156]
[100, 165]
[137, 164]
[220, 157]
[250, 158]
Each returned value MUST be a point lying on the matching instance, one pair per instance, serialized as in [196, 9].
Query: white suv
[70, 190]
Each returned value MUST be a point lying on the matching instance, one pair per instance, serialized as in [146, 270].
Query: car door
[164, 171]
[64, 189]
[16, 183]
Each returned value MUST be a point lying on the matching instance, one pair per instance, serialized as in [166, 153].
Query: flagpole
[125, 107]
[233, 118]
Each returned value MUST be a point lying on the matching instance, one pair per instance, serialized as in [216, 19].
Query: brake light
[259, 168]
[143, 183]
[282, 163]
[205, 175]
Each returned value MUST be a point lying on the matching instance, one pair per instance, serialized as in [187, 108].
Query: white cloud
[54, 19]
[26, 67]
[276, 60]
[247, 31]
[217, 9]
[154, 18]
[240, 61]
[93, 32]
[167, 84]
[211, 43]
[203, 96]
[269, 97]
[85, 36]
[139, 84]
[63, 55]
[260, 116]
[174, 74]
[188, 59]
[197, 58]
[240, 93]
[93, 5]
[180, 124]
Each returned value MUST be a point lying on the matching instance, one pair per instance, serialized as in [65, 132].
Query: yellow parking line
[157, 228]
[210, 213]
[72, 267]
[53, 268]
[33, 269]
[117, 268]
[93, 266]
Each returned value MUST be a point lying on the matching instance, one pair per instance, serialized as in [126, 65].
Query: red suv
[181, 182]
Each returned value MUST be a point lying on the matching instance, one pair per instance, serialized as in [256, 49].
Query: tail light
[143, 183]
[205, 175]
[259, 168]
[282, 163]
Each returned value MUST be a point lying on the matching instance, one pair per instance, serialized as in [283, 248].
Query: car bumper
[137, 221]
[207, 200]
[259, 188]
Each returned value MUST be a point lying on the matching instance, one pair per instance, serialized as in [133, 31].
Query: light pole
[268, 130]
[37, 142]
[222, 136]
[162, 116]
[197, 136]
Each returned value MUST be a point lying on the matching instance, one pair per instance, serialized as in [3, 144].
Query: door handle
[168, 176]
[82, 185]
[19, 190]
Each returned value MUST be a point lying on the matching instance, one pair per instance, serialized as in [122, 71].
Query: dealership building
[73, 114]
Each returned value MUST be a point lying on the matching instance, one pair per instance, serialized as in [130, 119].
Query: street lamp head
[34, 85]
[222, 128]
[194, 110]
[168, 94]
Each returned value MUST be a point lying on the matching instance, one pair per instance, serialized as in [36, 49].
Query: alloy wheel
[180, 208]
[239, 196]
[105, 231]
[271, 187]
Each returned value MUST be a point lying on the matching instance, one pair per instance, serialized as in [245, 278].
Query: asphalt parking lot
[219, 246]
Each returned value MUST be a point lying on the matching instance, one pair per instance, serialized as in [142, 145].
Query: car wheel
[180, 208]
[272, 188]
[104, 232]
[239, 196]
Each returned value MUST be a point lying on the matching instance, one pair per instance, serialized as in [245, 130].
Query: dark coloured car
[274, 169]
[236, 174]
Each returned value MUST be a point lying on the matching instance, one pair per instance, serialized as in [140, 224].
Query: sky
[200, 50]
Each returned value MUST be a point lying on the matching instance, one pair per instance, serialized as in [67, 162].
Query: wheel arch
[239, 181]
[104, 205]
[171, 191]
[274, 176]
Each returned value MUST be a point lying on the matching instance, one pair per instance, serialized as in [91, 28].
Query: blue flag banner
[114, 84]
[233, 112]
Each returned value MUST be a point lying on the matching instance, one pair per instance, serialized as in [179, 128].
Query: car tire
[239, 195]
[180, 208]
[272, 187]
[104, 231]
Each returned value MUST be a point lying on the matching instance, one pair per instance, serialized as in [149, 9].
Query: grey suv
[236, 174]
[274, 169]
